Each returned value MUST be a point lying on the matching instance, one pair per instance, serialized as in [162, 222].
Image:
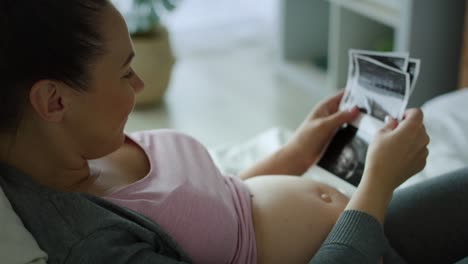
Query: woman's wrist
[284, 161]
[371, 199]
[295, 159]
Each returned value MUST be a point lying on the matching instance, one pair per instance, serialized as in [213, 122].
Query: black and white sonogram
[346, 155]
[396, 60]
[413, 71]
[384, 91]
[377, 78]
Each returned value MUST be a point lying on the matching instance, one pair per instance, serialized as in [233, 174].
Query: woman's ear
[46, 98]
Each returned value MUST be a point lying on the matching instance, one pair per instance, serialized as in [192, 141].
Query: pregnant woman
[67, 90]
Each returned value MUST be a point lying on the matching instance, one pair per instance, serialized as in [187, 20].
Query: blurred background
[226, 70]
[223, 86]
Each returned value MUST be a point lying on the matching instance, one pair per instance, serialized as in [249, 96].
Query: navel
[325, 197]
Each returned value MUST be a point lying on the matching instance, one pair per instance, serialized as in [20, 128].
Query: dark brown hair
[45, 39]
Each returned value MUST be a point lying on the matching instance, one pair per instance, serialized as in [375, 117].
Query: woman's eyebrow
[129, 58]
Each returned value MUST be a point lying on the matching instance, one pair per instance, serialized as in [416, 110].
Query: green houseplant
[144, 16]
[154, 59]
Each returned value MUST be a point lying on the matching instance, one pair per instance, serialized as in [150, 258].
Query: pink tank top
[209, 215]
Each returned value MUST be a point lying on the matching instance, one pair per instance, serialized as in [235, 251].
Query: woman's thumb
[390, 124]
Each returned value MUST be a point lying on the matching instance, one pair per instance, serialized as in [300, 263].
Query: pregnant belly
[292, 216]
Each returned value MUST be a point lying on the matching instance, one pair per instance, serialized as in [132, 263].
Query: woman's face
[98, 116]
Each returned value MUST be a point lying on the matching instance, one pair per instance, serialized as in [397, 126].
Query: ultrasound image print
[398, 61]
[376, 110]
[346, 155]
[379, 89]
[394, 62]
[379, 79]
[413, 71]
[366, 104]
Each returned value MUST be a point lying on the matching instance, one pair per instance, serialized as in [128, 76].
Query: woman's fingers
[390, 124]
[340, 117]
[414, 115]
[399, 149]
[334, 101]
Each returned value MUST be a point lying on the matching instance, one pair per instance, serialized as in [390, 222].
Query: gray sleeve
[117, 247]
[356, 238]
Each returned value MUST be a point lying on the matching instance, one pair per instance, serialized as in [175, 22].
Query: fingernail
[353, 109]
[387, 119]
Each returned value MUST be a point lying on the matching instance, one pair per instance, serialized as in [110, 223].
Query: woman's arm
[308, 142]
[284, 161]
[356, 238]
[398, 152]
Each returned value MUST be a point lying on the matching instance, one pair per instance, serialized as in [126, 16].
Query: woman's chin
[117, 141]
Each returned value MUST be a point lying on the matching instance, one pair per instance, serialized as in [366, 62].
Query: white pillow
[446, 123]
[17, 245]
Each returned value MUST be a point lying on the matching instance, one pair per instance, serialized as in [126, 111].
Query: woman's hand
[398, 152]
[311, 138]
[308, 142]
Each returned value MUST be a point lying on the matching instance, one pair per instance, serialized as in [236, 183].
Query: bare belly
[292, 216]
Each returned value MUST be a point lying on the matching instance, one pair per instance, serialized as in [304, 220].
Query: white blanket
[445, 120]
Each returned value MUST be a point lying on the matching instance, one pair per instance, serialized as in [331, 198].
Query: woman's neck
[47, 159]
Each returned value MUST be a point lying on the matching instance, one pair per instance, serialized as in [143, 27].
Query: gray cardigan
[80, 228]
